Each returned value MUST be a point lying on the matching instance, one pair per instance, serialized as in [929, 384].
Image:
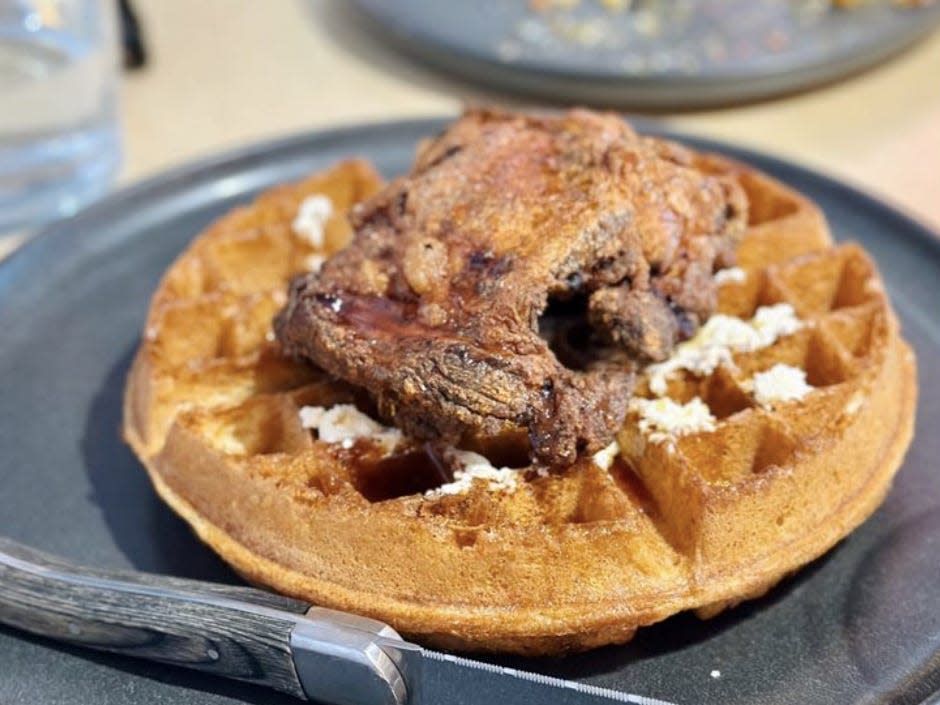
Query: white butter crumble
[854, 404]
[605, 457]
[721, 336]
[473, 466]
[311, 218]
[728, 275]
[231, 446]
[313, 262]
[663, 420]
[773, 322]
[779, 383]
[345, 424]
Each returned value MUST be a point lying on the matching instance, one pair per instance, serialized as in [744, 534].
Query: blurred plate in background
[659, 54]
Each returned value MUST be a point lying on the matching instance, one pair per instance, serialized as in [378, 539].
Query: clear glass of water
[59, 134]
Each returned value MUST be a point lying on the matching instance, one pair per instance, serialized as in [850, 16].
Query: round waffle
[564, 561]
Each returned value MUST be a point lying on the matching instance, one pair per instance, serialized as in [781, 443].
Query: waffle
[551, 562]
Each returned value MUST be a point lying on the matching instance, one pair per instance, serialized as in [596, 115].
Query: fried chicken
[435, 306]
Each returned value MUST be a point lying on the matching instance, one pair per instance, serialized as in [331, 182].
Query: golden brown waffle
[566, 561]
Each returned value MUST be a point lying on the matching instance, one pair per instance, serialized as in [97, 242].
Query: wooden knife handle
[236, 632]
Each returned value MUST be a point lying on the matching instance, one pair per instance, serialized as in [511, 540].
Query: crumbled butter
[730, 274]
[663, 420]
[313, 262]
[854, 404]
[873, 286]
[231, 445]
[773, 322]
[311, 218]
[605, 457]
[473, 466]
[721, 336]
[345, 424]
[779, 384]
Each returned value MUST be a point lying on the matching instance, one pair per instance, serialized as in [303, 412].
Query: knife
[237, 632]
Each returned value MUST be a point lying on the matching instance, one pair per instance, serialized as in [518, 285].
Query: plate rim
[743, 83]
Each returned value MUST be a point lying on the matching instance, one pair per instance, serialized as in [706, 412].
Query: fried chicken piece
[434, 307]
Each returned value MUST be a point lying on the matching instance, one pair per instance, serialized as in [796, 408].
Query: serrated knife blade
[454, 680]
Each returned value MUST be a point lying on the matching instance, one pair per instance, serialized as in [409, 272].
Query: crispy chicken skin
[434, 307]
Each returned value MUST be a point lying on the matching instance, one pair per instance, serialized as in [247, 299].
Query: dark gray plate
[663, 54]
[860, 626]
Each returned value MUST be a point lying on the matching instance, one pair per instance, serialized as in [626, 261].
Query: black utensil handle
[234, 632]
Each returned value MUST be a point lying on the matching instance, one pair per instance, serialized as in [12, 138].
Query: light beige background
[225, 73]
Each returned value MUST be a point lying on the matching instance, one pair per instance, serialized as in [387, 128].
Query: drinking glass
[59, 135]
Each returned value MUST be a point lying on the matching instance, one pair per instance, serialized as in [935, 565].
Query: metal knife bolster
[349, 660]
